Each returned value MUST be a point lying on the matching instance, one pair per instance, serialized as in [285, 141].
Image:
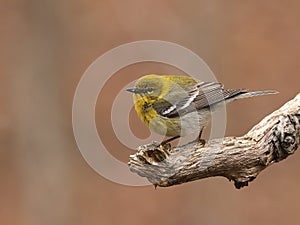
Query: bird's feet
[169, 140]
[201, 141]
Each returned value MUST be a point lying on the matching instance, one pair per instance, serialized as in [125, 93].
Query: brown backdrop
[45, 48]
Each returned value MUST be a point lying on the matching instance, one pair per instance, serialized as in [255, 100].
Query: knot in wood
[285, 136]
[153, 153]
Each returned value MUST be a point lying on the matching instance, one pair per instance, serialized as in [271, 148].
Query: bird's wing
[200, 96]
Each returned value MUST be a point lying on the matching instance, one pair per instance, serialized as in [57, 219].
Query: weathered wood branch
[239, 159]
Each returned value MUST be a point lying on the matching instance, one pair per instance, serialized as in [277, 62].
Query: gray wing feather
[200, 96]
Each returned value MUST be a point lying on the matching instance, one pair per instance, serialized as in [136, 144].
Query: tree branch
[239, 159]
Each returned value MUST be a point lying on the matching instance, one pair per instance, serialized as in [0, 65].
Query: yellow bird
[177, 106]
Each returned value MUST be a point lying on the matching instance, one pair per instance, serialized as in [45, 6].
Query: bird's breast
[144, 109]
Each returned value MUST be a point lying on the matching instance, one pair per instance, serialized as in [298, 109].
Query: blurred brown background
[45, 48]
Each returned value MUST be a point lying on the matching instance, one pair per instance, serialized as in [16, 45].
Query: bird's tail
[239, 94]
[253, 94]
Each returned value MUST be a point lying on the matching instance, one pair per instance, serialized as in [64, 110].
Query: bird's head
[149, 86]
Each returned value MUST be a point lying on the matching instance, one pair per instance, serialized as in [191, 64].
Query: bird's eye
[150, 90]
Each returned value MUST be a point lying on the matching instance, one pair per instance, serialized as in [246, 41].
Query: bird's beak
[133, 90]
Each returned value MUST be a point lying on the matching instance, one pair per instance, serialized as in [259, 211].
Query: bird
[178, 106]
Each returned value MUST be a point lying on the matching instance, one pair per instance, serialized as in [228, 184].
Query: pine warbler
[177, 106]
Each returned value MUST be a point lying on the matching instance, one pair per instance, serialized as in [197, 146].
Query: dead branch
[239, 159]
